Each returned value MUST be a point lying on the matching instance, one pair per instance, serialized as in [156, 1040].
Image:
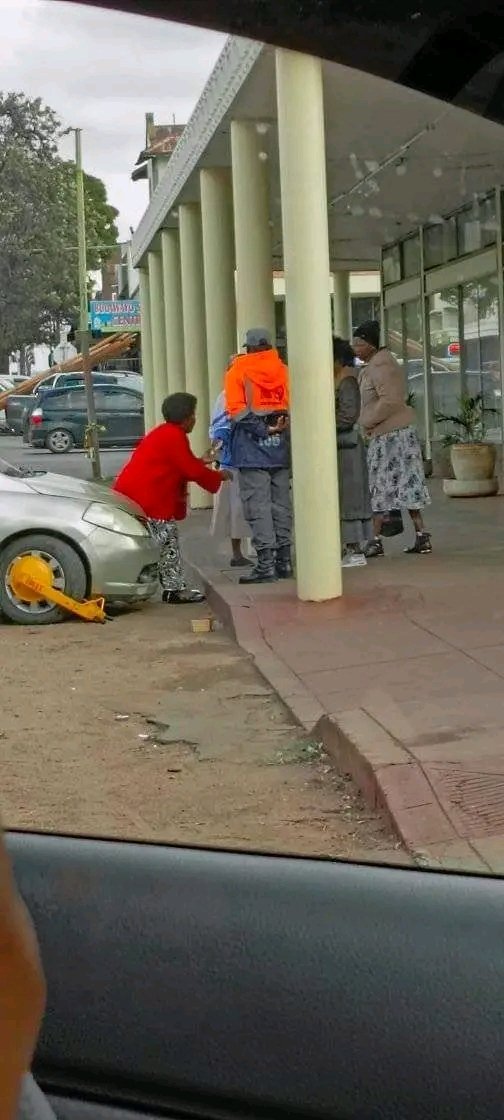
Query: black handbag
[393, 523]
[348, 440]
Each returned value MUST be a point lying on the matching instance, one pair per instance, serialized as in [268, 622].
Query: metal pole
[426, 346]
[92, 431]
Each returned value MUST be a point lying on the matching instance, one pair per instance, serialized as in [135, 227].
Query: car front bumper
[123, 568]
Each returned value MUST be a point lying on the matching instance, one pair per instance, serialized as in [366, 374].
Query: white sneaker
[353, 560]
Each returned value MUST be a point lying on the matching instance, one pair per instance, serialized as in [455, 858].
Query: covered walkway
[290, 163]
[402, 680]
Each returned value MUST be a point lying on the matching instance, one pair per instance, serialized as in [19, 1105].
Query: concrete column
[342, 310]
[255, 305]
[146, 342]
[219, 273]
[174, 327]
[158, 331]
[306, 259]
[195, 348]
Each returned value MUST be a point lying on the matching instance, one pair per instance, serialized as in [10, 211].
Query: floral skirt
[396, 472]
[171, 568]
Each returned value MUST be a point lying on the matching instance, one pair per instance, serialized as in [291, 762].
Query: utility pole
[93, 440]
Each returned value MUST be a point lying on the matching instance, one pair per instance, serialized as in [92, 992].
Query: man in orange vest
[257, 400]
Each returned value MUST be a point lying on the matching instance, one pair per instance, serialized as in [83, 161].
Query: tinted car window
[72, 400]
[120, 400]
[70, 379]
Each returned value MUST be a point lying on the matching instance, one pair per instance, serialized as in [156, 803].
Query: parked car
[94, 541]
[19, 405]
[6, 382]
[58, 421]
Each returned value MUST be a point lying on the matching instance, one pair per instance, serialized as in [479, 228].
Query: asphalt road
[76, 464]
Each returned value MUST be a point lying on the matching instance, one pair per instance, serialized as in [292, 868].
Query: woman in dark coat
[355, 502]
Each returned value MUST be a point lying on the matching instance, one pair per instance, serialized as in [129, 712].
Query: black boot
[264, 571]
[283, 562]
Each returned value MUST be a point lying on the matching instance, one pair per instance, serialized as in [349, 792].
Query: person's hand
[227, 476]
[280, 425]
[209, 457]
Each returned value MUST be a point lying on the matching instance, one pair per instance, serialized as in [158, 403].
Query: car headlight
[115, 519]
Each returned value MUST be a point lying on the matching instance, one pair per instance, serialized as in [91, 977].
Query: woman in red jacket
[156, 478]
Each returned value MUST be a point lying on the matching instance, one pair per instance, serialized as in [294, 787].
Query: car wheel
[60, 441]
[68, 571]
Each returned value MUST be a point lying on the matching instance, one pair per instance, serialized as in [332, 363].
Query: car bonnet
[60, 486]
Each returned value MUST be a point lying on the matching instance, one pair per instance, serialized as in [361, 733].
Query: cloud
[102, 71]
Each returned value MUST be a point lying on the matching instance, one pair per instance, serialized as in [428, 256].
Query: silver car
[96, 542]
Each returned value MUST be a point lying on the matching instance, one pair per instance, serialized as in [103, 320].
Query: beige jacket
[383, 396]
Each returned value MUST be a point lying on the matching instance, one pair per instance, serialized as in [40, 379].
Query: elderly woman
[396, 473]
[355, 505]
[157, 478]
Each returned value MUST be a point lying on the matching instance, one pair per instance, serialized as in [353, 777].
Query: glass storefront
[404, 337]
[363, 308]
[460, 353]
[414, 358]
[440, 243]
[444, 339]
[464, 347]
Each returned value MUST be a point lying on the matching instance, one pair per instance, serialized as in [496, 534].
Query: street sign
[114, 315]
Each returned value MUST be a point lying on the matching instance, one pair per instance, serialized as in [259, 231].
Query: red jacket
[159, 470]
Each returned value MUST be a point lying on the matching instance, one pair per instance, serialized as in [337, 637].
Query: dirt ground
[141, 729]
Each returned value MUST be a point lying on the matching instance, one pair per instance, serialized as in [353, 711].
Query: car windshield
[341, 692]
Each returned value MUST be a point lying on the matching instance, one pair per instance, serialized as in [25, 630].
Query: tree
[62, 284]
[38, 237]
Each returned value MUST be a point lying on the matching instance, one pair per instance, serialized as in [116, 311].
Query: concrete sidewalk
[403, 678]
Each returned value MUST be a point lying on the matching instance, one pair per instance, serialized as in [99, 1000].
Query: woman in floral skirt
[396, 473]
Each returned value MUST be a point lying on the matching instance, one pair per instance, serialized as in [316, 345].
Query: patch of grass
[301, 750]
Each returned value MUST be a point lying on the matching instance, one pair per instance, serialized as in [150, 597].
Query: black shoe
[264, 571]
[182, 598]
[374, 549]
[422, 545]
[283, 562]
[240, 562]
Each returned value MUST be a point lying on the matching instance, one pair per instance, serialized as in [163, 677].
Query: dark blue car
[58, 420]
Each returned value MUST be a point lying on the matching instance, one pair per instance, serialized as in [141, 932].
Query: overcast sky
[102, 71]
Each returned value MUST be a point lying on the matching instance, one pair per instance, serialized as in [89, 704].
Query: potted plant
[472, 456]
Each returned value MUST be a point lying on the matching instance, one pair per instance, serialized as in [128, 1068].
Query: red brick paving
[403, 677]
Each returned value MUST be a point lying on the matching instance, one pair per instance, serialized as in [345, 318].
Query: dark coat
[355, 503]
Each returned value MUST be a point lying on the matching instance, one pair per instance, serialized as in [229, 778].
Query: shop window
[477, 225]
[411, 256]
[440, 243]
[488, 220]
[364, 308]
[394, 332]
[414, 359]
[445, 346]
[391, 265]
[481, 373]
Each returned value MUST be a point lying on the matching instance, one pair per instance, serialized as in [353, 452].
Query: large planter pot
[473, 462]
[473, 466]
